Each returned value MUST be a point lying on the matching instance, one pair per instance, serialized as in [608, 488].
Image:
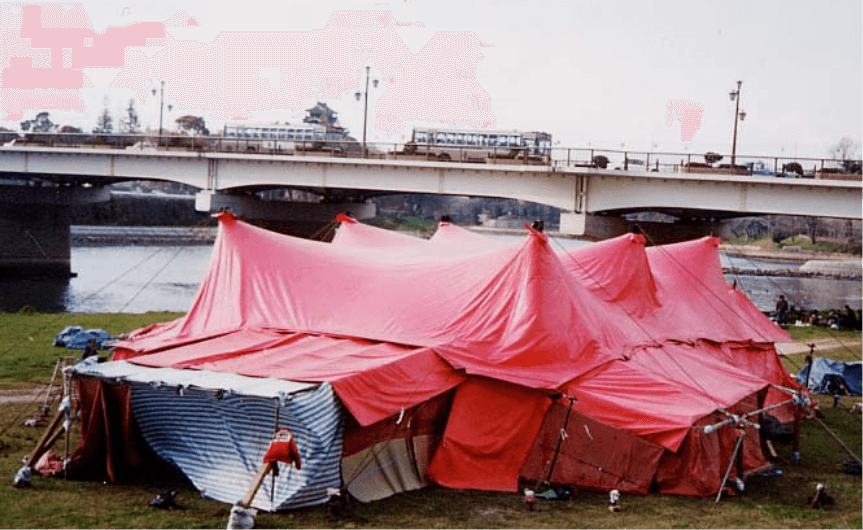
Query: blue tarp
[823, 370]
[76, 338]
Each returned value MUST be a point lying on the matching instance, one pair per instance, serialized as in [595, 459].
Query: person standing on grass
[849, 319]
[91, 349]
[782, 310]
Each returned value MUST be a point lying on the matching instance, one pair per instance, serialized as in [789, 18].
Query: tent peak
[638, 239]
[536, 233]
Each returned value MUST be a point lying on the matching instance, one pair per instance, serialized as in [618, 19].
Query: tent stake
[730, 464]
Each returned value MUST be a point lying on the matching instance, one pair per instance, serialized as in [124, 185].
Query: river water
[138, 279]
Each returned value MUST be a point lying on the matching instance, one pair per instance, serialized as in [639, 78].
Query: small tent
[460, 360]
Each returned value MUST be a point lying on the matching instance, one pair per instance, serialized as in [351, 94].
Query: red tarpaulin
[651, 343]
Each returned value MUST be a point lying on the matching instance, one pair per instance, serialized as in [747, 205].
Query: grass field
[770, 502]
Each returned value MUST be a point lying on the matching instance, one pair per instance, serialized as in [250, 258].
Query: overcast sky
[600, 73]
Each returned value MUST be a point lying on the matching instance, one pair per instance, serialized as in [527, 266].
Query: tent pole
[51, 384]
[47, 438]
[275, 464]
[557, 447]
[730, 464]
[256, 484]
[67, 393]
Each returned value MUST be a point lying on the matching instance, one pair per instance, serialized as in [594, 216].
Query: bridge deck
[570, 188]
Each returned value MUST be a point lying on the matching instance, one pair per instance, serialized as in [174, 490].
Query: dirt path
[22, 395]
[794, 348]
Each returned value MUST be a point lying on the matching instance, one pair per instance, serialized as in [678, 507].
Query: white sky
[600, 73]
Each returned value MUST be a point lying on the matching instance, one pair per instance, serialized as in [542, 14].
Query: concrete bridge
[591, 200]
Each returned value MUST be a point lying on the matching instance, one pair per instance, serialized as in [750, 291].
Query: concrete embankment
[814, 264]
[801, 256]
[796, 273]
[85, 236]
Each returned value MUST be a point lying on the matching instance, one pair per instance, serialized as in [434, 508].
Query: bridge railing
[756, 165]
[564, 157]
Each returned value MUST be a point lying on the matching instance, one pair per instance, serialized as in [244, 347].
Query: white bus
[284, 138]
[479, 145]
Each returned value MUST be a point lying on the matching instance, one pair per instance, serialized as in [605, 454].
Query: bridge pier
[592, 226]
[300, 219]
[34, 229]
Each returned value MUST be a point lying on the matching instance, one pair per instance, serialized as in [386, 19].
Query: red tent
[467, 351]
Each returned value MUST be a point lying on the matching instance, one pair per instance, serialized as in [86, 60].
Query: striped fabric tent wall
[219, 439]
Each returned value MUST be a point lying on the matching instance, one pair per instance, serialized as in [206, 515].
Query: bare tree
[105, 123]
[846, 149]
[812, 223]
[131, 124]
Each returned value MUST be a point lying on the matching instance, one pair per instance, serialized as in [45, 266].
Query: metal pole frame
[731, 463]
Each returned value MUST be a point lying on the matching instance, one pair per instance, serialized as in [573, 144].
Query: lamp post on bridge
[161, 107]
[735, 96]
[365, 95]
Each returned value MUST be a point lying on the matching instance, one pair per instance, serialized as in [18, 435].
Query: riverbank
[814, 264]
[795, 273]
[95, 236]
[790, 256]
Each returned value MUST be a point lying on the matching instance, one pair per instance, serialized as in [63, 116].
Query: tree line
[128, 123]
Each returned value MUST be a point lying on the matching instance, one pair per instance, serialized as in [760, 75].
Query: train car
[480, 145]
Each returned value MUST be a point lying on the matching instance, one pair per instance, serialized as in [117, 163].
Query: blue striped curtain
[218, 441]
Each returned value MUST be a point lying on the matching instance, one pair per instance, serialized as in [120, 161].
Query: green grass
[26, 338]
[849, 349]
[775, 502]
[803, 334]
[409, 223]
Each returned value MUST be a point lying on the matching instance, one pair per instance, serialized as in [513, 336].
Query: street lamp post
[161, 107]
[735, 96]
[365, 95]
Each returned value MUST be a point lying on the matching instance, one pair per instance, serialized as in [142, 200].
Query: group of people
[847, 319]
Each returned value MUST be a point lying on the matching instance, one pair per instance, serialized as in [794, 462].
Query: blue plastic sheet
[76, 338]
[823, 370]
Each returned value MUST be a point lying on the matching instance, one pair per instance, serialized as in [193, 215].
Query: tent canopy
[652, 342]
